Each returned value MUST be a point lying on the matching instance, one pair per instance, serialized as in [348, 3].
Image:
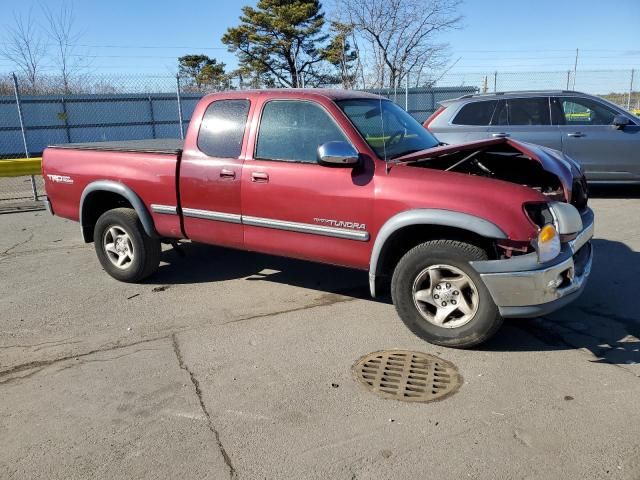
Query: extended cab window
[583, 111]
[523, 111]
[476, 113]
[223, 127]
[292, 131]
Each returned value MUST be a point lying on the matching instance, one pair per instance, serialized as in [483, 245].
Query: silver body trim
[166, 209]
[345, 233]
[307, 228]
[211, 215]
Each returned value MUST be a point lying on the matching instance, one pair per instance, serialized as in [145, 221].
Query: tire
[425, 270]
[118, 234]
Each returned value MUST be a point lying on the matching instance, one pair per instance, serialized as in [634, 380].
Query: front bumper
[522, 287]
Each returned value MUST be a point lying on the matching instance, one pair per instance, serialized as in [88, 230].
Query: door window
[222, 128]
[523, 111]
[292, 131]
[584, 111]
[476, 113]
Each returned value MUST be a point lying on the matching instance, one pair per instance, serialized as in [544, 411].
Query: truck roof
[330, 93]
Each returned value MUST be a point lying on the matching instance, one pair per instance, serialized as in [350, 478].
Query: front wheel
[124, 249]
[441, 298]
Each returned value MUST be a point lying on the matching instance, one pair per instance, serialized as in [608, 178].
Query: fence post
[406, 94]
[153, 120]
[495, 82]
[179, 106]
[66, 119]
[630, 90]
[34, 189]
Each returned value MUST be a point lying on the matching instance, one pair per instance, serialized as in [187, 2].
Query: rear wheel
[124, 249]
[441, 298]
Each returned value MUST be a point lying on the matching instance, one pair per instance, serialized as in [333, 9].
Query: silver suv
[601, 136]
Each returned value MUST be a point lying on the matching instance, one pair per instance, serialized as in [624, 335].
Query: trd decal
[60, 179]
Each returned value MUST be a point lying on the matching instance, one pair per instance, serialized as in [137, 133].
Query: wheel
[124, 249]
[441, 298]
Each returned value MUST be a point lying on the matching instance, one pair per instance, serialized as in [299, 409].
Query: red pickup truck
[463, 236]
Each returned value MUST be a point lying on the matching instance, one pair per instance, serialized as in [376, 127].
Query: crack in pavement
[324, 301]
[198, 391]
[45, 363]
[16, 245]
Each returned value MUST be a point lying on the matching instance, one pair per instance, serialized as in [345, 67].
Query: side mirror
[337, 153]
[620, 121]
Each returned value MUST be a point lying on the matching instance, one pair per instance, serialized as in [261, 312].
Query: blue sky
[504, 35]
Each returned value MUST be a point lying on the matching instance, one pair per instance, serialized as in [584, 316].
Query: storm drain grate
[407, 376]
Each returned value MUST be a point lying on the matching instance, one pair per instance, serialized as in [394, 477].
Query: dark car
[602, 137]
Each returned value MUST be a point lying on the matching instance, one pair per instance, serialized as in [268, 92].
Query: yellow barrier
[18, 167]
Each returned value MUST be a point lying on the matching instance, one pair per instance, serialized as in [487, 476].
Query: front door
[588, 136]
[526, 119]
[293, 206]
[210, 175]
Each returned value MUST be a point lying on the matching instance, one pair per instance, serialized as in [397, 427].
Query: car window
[476, 113]
[388, 129]
[584, 111]
[222, 128]
[292, 131]
[523, 111]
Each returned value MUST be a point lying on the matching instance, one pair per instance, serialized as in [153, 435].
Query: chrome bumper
[522, 287]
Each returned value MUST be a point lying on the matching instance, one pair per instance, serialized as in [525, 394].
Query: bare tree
[401, 35]
[60, 28]
[25, 47]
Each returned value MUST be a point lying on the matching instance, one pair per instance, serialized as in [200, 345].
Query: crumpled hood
[551, 160]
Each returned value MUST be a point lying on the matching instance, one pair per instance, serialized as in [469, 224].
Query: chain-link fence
[99, 108]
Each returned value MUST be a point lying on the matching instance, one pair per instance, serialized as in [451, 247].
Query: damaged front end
[547, 171]
[534, 277]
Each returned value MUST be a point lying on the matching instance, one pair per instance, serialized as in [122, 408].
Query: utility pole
[575, 69]
[568, 78]
[495, 82]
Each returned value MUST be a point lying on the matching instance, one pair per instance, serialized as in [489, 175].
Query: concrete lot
[222, 366]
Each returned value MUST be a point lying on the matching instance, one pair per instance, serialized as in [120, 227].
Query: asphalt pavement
[238, 365]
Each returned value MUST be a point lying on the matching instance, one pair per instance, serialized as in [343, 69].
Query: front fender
[427, 216]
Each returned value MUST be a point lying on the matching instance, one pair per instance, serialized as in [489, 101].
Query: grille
[407, 376]
[579, 194]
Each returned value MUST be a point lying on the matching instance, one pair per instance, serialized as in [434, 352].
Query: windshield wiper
[408, 152]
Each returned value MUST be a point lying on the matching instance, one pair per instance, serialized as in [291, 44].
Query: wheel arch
[103, 195]
[407, 229]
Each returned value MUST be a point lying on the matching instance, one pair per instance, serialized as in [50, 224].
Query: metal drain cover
[407, 376]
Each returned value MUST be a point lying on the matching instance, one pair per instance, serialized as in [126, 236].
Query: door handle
[500, 135]
[226, 173]
[575, 134]
[262, 177]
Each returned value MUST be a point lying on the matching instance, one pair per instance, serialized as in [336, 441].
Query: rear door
[527, 119]
[468, 124]
[588, 136]
[210, 175]
[293, 206]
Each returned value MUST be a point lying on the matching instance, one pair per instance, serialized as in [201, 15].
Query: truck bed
[169, 146]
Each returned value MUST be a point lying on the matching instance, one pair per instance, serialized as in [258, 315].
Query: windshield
[388, 129]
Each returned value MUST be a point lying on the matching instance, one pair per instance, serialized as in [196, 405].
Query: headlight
[548, 243]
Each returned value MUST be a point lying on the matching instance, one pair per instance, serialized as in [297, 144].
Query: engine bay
[501, 162]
